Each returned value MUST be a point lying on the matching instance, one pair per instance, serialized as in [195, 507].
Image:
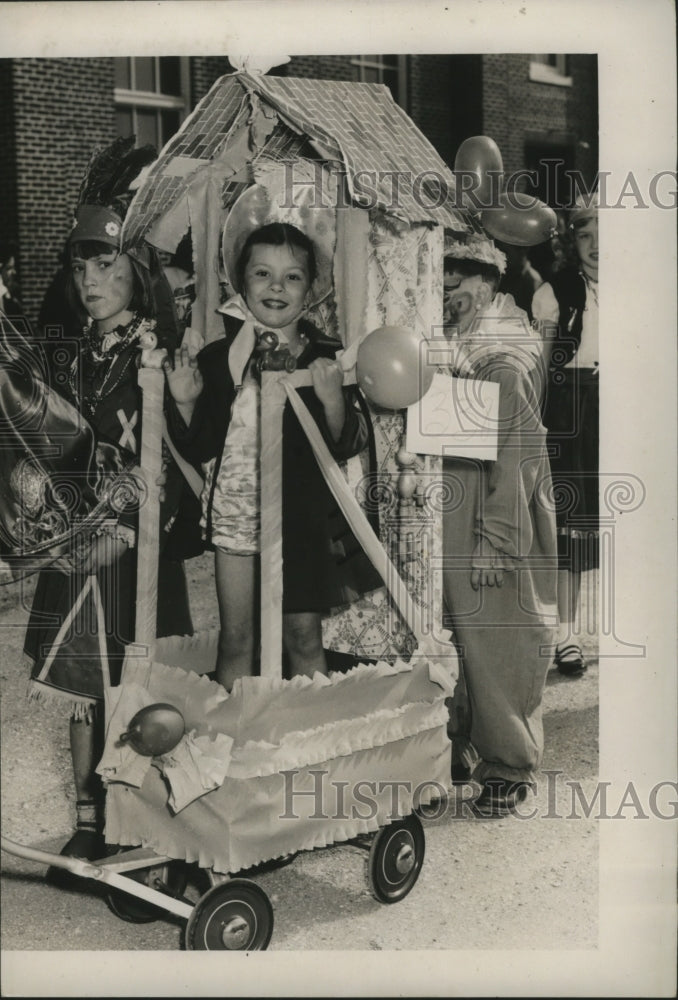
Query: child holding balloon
[217, 423]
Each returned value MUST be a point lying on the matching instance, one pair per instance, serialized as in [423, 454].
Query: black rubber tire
[234, 916]
[171, 878]
[395, 859]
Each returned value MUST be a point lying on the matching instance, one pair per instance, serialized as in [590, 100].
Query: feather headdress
[105, 193]
[110, 172]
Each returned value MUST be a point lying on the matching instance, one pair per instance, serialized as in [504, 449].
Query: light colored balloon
[391, 368]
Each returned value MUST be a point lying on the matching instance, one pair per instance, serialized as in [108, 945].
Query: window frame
[541, 71]
[129, 98]
[377, 62]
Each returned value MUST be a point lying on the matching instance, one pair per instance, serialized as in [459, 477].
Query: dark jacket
[324, 565]
[569, 289]
[111, 403]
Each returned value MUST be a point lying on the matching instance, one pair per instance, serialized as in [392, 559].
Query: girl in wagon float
[217, 423]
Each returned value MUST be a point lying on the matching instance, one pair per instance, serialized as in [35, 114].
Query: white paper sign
[457, 416]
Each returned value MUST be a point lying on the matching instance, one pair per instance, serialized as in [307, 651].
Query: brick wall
[321, 67]
[428, 91]
[54, 111]
[514, 105]
[430, 101]
[206, 70]
[8, 194]
[465, 100]
[62, 109]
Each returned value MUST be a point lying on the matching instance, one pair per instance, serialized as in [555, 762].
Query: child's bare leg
[236, 583]
[86, 740]
[302, 632]
[87, 841]
[569, 585]
[568, 654]
[81, 732]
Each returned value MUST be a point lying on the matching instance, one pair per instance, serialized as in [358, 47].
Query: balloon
[478, 156]
[391, 367]
[520, 220]
[155, 730]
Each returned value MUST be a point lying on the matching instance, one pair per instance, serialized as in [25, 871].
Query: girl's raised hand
[183, 376]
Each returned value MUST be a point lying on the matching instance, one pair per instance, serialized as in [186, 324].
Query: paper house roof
[389, 164]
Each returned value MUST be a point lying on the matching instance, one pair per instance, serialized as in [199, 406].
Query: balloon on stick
[481, 171]
[519, 220]
[391, 367]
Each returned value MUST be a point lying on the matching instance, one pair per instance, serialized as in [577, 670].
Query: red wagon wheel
[234, 916]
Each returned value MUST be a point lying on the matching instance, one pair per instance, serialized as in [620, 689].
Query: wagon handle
[76, 866]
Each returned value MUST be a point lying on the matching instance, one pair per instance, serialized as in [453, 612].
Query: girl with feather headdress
[82, 620]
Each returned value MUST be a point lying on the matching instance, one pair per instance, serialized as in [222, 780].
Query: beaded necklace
[99, 355]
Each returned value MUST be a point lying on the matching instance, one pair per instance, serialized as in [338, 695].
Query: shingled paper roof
[359, 125]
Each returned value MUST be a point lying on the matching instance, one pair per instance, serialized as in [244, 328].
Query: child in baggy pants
[499, 579]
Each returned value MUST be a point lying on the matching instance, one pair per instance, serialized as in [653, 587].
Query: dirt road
[508, 884]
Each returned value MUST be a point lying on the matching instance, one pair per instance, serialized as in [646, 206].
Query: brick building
[54, 111]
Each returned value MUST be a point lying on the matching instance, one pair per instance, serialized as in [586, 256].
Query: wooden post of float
[152, 385]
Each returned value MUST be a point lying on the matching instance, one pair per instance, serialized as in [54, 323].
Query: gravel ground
[507, 884]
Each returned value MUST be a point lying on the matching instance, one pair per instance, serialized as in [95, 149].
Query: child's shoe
[569, 659]
[87, 843]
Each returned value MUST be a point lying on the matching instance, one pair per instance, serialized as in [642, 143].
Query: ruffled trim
[199, 651]
[302, 748]
[151, 673]
[155, 676]
[368, 671]
[445, 676]
[196, 654]
[116, 833]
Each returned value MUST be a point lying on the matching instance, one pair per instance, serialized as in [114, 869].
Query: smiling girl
[571, 415]
[218, 400]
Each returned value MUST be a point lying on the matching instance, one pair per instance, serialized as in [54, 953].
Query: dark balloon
[519, 220]
[479, 156]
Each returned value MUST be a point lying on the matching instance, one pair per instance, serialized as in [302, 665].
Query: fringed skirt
[80, 625]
